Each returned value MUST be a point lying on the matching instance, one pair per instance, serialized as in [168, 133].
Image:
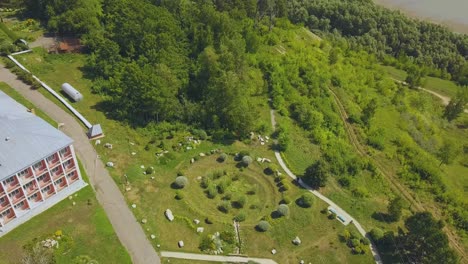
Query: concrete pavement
[108, 194]
[216, 258]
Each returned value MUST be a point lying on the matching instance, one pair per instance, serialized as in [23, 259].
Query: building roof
[24, 137]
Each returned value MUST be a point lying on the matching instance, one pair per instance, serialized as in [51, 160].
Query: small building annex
[38, 167]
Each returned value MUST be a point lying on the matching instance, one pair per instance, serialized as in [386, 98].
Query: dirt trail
[395, 183]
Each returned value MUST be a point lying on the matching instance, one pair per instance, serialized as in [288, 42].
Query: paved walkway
[216, 258]
[361, 230]
[108, 194]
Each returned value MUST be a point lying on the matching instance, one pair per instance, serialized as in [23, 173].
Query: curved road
[361, 230]
[128, 230]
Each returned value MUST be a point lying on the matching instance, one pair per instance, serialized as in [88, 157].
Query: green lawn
[444, 87]
[86, 222]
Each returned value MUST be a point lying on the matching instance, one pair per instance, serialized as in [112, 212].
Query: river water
[452, 13]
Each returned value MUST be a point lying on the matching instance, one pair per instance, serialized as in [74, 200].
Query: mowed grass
[132, 149]
[85, 222]
[444, 87]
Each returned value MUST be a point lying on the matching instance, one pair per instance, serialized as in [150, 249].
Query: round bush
[247, 160]
[263, 226]
[225, 207]
[376, 234]
[283, 210]
[354, 242]
[181, 182]
[240, 217]
[307, 200]
[222, 157]
[149, 170]
[365, 241]
[179, 195]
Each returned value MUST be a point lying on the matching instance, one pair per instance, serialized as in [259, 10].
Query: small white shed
[72, 92]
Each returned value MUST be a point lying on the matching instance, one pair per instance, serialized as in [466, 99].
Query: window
[33, 197]
[28, 185]
[42, 177]
[54, 170]
[46, 189]
[51, 158]
[64, 151]
[68, 162]
[38, 165]
[59, 181]
[13, 193]
[9, 180]
[7, 212]
[2, 200]
[71, 174]
[19, 205]
[24, 172]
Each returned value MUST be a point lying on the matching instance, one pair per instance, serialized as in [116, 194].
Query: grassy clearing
[444, 87]
[20, 99]
[133, 148]
[86, 223]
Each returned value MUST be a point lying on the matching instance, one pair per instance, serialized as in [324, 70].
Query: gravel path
[234, 259]
[108, 194]
[342, 212]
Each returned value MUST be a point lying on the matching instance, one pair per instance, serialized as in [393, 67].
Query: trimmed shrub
[205, 182]
[354, 242]
[286, 200]
[211, 191]
[149, 170]
[365, 241]
[225, 207]
[247, 160]
[223, 157]
[240, 217]
[263, 226]
[244, 153]
[179, 195]
[228, 236]
[283, 210]
[307, 200]
[376, 234]
[222, 186]
[181, 182]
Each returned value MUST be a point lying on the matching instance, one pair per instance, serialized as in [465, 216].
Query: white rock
[144, 221]
[110, 164]
[158, 246]
[133, 153]
[128, 188]
[267, 160]
[169, 215]
[202, 154]
[301, 262]
[142, 166]
[98, 142]
[199, 178]
[192, 160]
[70, 197]
[267, 137]
[153, 236]
[297, 241]
[74, 203]
[133, 205]
[181, 243]
[108, 145]
[200, 229]
[262, 143]
[144, 172]
[131, 143]
[259, 159]
[152, 177]
[196, 221]
[189, 148]
[273, 251]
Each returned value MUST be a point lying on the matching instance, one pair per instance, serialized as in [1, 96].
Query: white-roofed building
[38, 167]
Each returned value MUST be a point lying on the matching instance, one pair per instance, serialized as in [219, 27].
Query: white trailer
[72, 92]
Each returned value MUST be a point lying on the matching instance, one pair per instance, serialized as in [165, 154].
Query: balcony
[43, 180]
[26, 175]
[39, 168]
[31, 187]
[11, 183]
[65, 153]
[61, 185]
[53, 160]
[16, 197]
[57, 172]
[69, 165]
[22, 205]
[4, 204]
[72, 177]
[7, 216]
[48, 191]
[2, 192]
[35, 198]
